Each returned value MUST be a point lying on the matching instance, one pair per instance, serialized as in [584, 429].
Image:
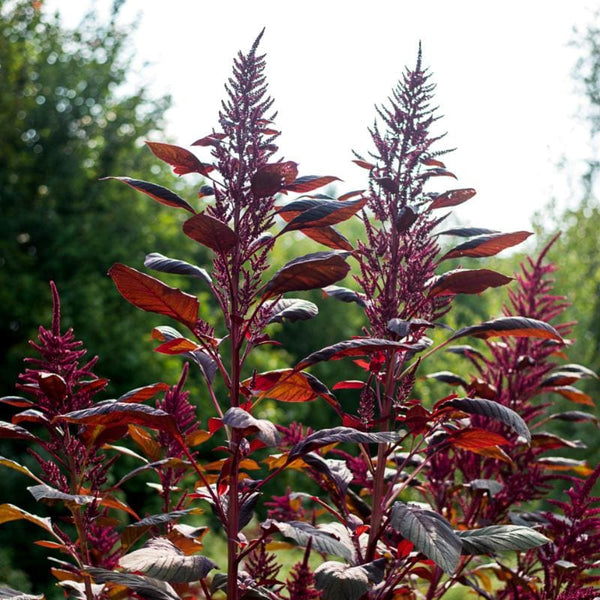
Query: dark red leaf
[156, 192]
[182, 160]
[113, 414]
[573, 394]
[330, 237]
[150, 294]
[432, 162]
[344, 294]
[416, 419]
[355, 347]
[31, 416]
[511, 327]
[291, 309]
[53, 385]
[387, 184]
[164, 264]
[452, 198]
[144, 393]
[308, 272]
[210, 232]
[448, 377]
[364, 164]
[476, 439]
[349, 195]
[237, 418]
[487, 245]
[16, 401]
[349, 384]
[468, 231]
[15, 432]
[325, 213]
[177, 346]
[467, 281]
[93, 386]
[308, 183]
[406, 218]
[287, 385]
[575, 416]
[271, 179]
[210, 140]
[549, 441]
[436, 172]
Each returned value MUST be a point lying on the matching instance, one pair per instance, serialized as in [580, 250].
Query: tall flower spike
[399, 257]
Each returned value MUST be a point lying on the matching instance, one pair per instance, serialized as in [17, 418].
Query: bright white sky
[502, 69]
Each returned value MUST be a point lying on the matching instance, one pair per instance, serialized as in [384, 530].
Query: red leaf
[308, 183]
[144, 393]
[53, 385]
[156, 192]
[416, 419]
[364, 164]
[15, 432]
[432, 162]
[466, 281]
[210, 140]
[210, 232]
[487, 245]
[476, 439]
[177, 346]
[511, 327]
[387, 184]
[349, 384]
[271, 179]
[152, 295]
[573, 394]
[308, 272]
[355, 347]
[452, 198]
[330, 237]
[182, 160]
[325, 213]
[288, 385]
[114, 414]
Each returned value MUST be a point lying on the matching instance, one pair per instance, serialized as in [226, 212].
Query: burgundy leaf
[468, 231]
[271, 179]
[156, 192]
[15, 432]
[308, 183]
[150, 294]
[324, 437]
[291, 309]
[237, 418]
[344, 294]
[452, 198]
[210, 232]
[114, 414]
[210, 140]
[330, 237]
[325, 213]
[355, 347]
[182, 160]
[487, 245]
[144, 393]
[308, 272]
[511, 327]
[467, 281]
[164, 264]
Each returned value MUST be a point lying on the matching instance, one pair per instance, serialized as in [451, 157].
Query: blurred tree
[66, 120]
[68, 116]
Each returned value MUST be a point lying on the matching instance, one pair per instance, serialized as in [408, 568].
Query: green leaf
[161, 559]
[338, 581]
[499, 538]
[430, 534]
